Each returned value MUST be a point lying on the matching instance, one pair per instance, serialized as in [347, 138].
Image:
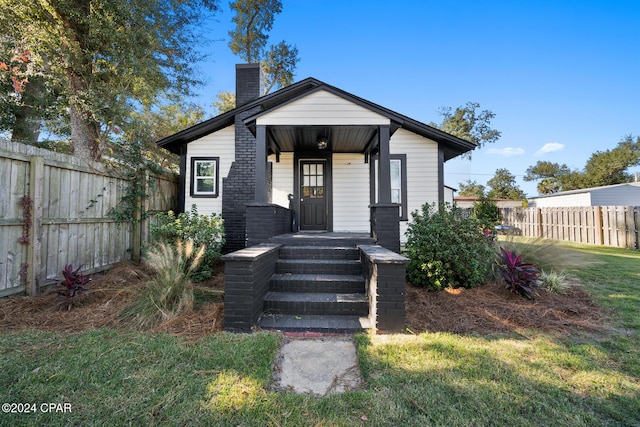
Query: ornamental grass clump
[170, 291]
[553, 281]
[446, 249]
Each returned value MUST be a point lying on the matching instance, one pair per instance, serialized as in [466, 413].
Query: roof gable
[321, 107]
[451, 146]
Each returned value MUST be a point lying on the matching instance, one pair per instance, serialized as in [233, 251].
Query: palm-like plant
[519, 276]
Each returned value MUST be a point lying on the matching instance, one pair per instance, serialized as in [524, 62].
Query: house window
[398, 171]
[204, 176]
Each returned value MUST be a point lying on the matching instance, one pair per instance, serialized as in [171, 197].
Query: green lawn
[129, 378]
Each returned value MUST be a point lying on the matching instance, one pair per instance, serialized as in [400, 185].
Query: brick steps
[319, 266]
[326, 324]
[316, 303]
[339, 283]
[317, 289]
[319, 252]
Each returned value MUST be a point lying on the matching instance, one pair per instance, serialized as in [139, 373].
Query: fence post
[636, 225]
[136, 234]
[599, 226]
[146, 205]
[36, 184]
[539, 220]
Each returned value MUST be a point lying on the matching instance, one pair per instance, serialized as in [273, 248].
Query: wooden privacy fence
[54, 211]
[598, 225]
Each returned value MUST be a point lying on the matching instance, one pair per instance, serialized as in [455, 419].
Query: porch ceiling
[342, 139]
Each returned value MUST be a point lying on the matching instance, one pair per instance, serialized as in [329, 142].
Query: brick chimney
[238, 188]
[248, 83]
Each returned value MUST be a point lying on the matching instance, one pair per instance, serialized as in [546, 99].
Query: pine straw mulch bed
[486, 310]
[109, 293]
[492, 309]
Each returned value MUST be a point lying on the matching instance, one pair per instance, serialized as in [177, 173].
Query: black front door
[313, 202]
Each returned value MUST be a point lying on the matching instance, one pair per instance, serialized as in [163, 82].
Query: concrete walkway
[319, 366]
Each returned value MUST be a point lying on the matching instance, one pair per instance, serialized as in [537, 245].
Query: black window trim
[403, 178]
[192, 190]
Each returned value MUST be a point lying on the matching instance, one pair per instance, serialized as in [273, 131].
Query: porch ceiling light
[323, 142]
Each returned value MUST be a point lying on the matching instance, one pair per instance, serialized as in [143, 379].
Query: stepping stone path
[319, 367]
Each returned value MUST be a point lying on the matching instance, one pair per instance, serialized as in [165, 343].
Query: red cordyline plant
[73, 283]
[518, 276]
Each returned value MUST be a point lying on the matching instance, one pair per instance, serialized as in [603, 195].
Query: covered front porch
[323, 178]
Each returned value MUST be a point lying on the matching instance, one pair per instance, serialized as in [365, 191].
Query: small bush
[447, 250]
[486, 212]
[518, 276]
[207, 230]
[554, 282]
[73, 284]
[170, 292]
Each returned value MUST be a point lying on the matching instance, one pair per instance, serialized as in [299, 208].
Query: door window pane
[313, 180]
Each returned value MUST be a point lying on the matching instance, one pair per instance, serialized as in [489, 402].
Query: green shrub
[207, 230]
[447, 250]
[169, 292]
[486, 212]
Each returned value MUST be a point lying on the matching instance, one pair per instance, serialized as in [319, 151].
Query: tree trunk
[84, 129]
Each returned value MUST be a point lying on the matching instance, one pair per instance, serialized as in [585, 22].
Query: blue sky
[562, 77]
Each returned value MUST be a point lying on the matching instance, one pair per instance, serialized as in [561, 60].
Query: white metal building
[611, 195]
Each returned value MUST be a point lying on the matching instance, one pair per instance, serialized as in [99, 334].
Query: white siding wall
[322, 108]
[623, 195]
[580, 199]
[282, 179]
[350, 193]
[448, 195]
[219, 144]
[422, 171]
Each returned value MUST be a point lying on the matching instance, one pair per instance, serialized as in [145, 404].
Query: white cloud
[550, 147]
[507, 151]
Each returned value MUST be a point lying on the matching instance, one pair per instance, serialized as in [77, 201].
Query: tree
[487, 213]
[153, 124]
[602, 168]
[25, 98]
[254, 20]
[279, 66]
[469, 123]
[551, 176]
[610, 166]
[471, 189]
[503, 186]
[226, 101]
[111, 57]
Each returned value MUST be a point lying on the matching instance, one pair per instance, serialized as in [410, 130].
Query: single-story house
[315, 186]
[466, 202]
[328, 159]
[627, 194]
